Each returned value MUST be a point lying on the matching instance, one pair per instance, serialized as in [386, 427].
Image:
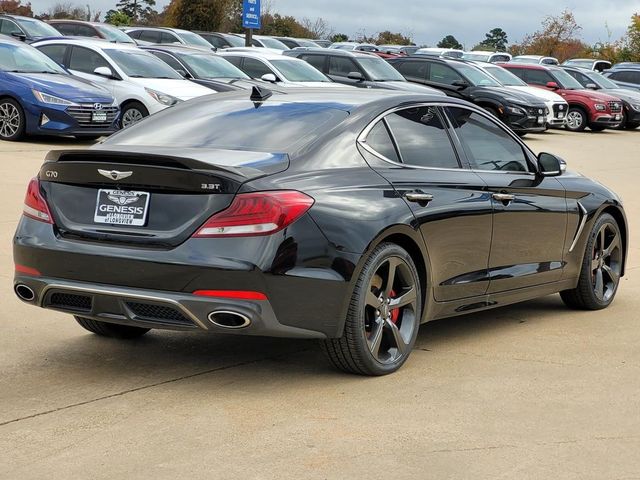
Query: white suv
[141, 83]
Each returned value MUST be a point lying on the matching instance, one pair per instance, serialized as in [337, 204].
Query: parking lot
[529, 391]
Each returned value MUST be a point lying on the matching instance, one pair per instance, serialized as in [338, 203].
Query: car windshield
[210, 66]
[24, 59]
[113, 34]
[379, 70]
[298, 71]
[193, 39]
[272, 43]
[139, 64]
[476, 76]
[566, 80]
[600, 80]
[505, 77]
[37, 28]
[579, 63]
[476, 57]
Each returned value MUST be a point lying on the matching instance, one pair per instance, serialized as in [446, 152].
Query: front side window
[413, 70]
[255, 68]
[487, 146]
[67, 29]
[440, 73]
[316, 61]
[422, 138]
[7, 27]
[539, 77]
[341, 66]
[86, 61]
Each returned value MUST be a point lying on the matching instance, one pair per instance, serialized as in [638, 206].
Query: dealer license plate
[121, 207]
[99, 117]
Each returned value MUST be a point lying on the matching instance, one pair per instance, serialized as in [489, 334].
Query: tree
[319, 28]
[135, 9]
[632, 41]
[117, 18]
[16, 7]
[339, 37]
[284, 26]
[68, 10]
[495, 40]
[201, 14]
[389, 38]
[450, 42]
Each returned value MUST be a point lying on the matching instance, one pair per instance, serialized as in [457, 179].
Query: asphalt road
[530, 391]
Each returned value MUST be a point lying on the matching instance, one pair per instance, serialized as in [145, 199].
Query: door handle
[418, 197]
[504, 197]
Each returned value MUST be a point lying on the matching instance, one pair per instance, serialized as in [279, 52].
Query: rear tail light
[35, 205]
[257, 213]
[233, 294]
[23, 269]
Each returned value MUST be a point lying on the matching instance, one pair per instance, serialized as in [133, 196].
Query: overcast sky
[429, 21]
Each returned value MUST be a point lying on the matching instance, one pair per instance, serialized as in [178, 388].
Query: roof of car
[262, 53]
[90, 42]
[329, 51]
[71, 20]
[170, 47]
[530, 66]
[21, 17]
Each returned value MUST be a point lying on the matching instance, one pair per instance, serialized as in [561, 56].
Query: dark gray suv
[627, 75]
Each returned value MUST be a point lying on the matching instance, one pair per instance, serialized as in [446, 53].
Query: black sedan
[347, 216]
[204, 67]
[523, 112]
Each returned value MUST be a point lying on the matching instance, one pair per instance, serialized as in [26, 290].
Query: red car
[586, 108]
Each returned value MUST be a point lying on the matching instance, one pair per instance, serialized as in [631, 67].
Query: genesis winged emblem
[114, 174]
[123, 199]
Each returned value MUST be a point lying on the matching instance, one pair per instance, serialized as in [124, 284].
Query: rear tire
[601, 267]
[111, 330]
[383, 317]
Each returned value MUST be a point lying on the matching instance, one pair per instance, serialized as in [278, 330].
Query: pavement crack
[144, 387]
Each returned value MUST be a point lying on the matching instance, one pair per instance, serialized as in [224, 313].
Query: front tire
[383, 317]
[132, 113]
[12, 120]
[111, 330]
[577, 119]
[601, 267]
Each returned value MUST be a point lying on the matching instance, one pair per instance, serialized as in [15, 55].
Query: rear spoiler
[237, 165]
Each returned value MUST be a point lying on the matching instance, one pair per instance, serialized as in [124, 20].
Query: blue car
[39, 97]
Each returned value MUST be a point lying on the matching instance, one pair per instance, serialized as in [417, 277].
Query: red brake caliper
[395, 313]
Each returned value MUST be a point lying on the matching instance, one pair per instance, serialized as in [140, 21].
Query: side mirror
[461, 84]
[19, 35]
[550, 165]
[104, 72]
[591, 86]
[552, 85]
[269, 77]
[355, 76]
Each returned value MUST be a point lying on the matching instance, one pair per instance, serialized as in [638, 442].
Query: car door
[449, 202]
[530, 211]
[339, 69]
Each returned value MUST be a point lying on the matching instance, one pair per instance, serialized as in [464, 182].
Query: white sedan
[141, 83]
[276, 68]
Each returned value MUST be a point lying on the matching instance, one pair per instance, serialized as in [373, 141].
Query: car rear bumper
[158, 309]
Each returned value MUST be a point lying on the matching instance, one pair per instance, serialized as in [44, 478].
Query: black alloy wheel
[601, 268]
[383, 318]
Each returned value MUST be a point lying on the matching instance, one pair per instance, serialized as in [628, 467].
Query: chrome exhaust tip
[228, 319]
[24, 292]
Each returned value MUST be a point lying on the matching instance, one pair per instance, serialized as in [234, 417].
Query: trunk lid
[156, 197]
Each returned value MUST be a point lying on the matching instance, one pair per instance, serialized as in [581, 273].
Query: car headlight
[162, 98]
[516, 110]
[46, 98]
[600, 107]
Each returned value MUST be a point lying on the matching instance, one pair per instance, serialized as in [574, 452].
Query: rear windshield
[273, 126]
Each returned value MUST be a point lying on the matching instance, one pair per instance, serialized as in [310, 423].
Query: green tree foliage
[201, 14]
[136, 9]
[117, 18]
[450, 42]
[284, 26]
[389, 38]
[495, 40]
[339, 37]
[16, 7]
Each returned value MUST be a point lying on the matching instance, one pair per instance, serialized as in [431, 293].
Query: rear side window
[538, 77]
[85, 31]
[413, 70]
[316, 61]
[234, 60]
[518, 72]
[169, 60]
[422, 138]
[626, 76]
[66, 29]
[152, 36]
[487, 146]
[444, 74]
[136, 34]
[168, 38]
[54, 52]
[379, 140]
[215, 41]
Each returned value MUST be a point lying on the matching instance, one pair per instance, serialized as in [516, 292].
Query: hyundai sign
[251, 14]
